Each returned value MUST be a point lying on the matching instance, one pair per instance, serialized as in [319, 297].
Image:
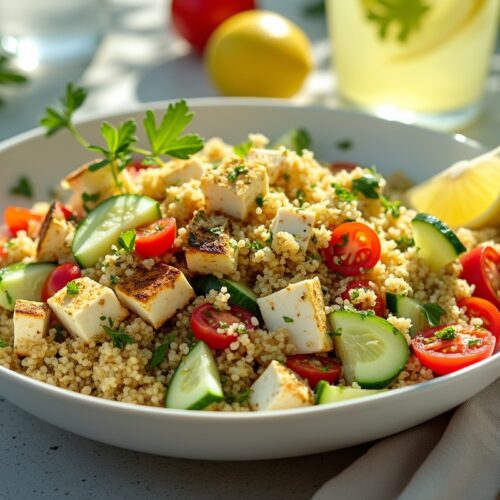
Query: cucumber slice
[23, 281]
[437, 244]
[196, 383]
[372, 351]
[326, 393]
[404, 307]
[102, 226]
[241, 295]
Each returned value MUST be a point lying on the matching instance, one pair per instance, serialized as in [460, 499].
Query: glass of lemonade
[422, 61]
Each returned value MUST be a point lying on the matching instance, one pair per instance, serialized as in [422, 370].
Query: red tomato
[337, 166]
[68, 214]
[475, 307]
[378, 309]
[155, 239]
[59, 278]
[18, 218]
[354, 248]
[446, 355]
[195, 20]
[205, 321]
[481, 267]
[315, 368]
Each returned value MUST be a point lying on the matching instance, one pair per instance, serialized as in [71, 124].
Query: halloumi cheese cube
[209, 249]
[300, 309]
[54, 237]
[31, 323]
[233, 187]
[99, 183]
[82, 313]
[156, 294]
[299, 223]
[279, 388]
[272, 159]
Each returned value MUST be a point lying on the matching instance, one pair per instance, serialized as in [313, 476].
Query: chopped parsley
[126, 241]
[404, 243]
[89, 198]
[22, 188]
[474, 342]
[73, 288]
[159, 352]
[118, 336]
[269, 240]
[218, 231]
[354, 293]
[259, 200]
[367, 184]
[287, 319]
[242, 149]
[448, 333]
[240, 398]
[254, 245]
[296, 139]
[391, 207]
[10, 300]
[114, 279]
[433, 312]
[342, 193]
[344, 145]
[3, 343]
[300, 197]
[238, 170]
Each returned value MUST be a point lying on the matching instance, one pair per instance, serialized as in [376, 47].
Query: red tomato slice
[18, 218]
[443, 356]
[59, 278]
[354, 248]
[337, 166]
[205, 321]
[475, 307]
[195, 20]
[315, 368]
[481, 267]
[155, 239]
[68, 214]
[379, 309]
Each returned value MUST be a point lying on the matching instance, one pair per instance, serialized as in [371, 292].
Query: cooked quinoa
[266, 262]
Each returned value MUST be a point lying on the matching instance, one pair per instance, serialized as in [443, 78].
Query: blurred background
[431, 62]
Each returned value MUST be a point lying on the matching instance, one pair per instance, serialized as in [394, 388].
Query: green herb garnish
[391, 207]
[433, 312]
[89, 198]
[126, 241]
[73, 288]
[238, 170]
[259, 200]
[3, 343]
[242, 149]
[404, 243]
[218, 231]
[10, 300]
[254, 245]
[300, 197]
[367, 184]
[342, 193]
[287, 319]
[22, 188]
[240, 398]
[9, 76]
[448, 333]
[296, 139]
[118, 336]
[474, 342]
[316, 8]
[159, 352]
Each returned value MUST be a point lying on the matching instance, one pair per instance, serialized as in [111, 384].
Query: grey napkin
[457, 458]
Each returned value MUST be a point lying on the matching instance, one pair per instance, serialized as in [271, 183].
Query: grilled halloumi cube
[279, 388]
[299, 308]
[233, 187]
[156, 294]
[31, 323]
[54, 237]
[272, 159]
[299, 223]
[82, 311]
[99, 184]
[209, 249]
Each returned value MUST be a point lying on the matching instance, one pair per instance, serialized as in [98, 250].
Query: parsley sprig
[159, 352]
[8, 75]
[118, 336]
[22, 188]
[165, 138]
[433, 312]
[126, 241]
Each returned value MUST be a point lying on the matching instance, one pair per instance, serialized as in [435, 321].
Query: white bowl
[391, 146]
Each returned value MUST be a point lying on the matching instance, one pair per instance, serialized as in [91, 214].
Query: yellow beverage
[426, 57]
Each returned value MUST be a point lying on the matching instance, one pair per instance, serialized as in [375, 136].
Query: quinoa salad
[203, 275]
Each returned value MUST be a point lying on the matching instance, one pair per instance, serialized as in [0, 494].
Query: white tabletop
[141, 60]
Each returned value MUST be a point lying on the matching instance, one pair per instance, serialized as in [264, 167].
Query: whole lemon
[258, 53]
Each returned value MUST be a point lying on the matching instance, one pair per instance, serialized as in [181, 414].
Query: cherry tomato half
[476, 307]
[206, 320]
[337, 166]
[195, 20]
[59, 278]
[379, 309]
[446, 355]
[481, 267]
[155, 239]
[315, 368]
[354, 248]
[19, 218]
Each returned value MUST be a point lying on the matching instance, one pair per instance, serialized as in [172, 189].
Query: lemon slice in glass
[465, 194]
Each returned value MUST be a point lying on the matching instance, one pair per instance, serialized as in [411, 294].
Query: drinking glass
[422, 61]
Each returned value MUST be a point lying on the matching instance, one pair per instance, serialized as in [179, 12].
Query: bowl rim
[203, 416]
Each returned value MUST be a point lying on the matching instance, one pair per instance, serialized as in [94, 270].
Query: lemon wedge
[465, 194]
